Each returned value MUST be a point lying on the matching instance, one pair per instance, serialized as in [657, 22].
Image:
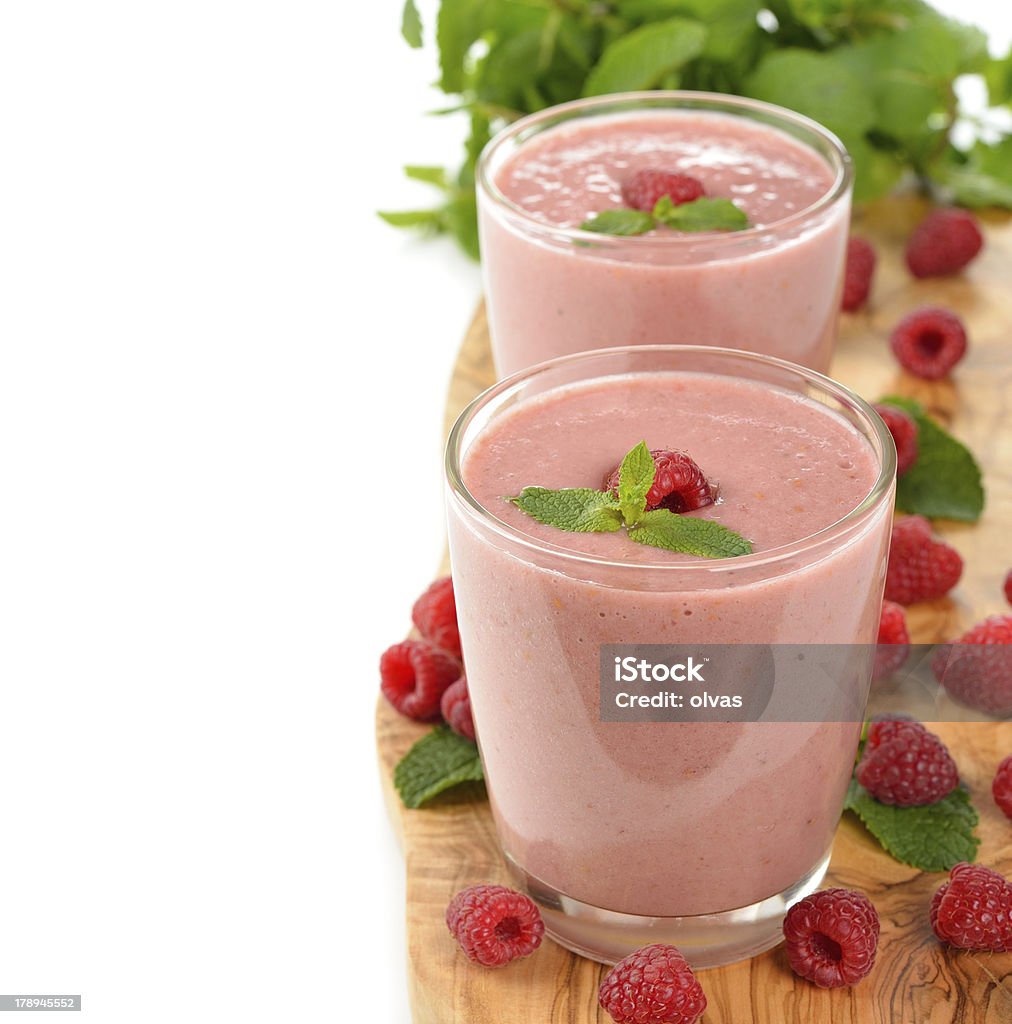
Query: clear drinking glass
[698, 834]
[773, 288]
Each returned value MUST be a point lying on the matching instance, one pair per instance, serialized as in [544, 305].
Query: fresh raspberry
[929, 342]
[456, 708]
[494, 925]
[920, 568]
[435, 616]
[944, 242]
[977, 668]
[904, 431]
[653, 985]
[1001, 787]
[414, 676]
[679, 484]
[832, 937]
[973, 910]
[1008, 587]
[858, 274]
[893, 640]
[644, 188]
[905, 765]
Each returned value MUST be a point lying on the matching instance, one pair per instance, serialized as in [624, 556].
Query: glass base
[705, 940]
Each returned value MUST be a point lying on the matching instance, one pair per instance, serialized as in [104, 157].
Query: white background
[221, 393]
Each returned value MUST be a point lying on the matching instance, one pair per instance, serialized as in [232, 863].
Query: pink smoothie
[661, 819]
[773, 289]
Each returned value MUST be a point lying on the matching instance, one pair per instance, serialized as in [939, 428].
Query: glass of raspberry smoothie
[553, 289]
[696, 833]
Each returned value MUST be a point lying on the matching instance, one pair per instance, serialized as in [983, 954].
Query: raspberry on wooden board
[832, 937]
[653, 985]
[494, 925]
[943, 243]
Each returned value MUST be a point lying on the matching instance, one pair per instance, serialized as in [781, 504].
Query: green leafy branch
[879, 73]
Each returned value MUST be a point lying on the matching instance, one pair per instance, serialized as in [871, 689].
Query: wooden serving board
[916, 980]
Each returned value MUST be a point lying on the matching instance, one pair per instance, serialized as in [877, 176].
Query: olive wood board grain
[452, 844]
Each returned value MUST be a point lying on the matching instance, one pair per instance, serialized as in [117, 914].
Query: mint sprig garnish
[575, 509]
[439, 761]
[584, 510]
[663, 529]
[945, 481]
[635, 478]
[620, 221]
[703, 214]
[934, 837]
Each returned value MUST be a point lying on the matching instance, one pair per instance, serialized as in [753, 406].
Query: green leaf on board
[934, 837]
[439, 761]
[945, 481]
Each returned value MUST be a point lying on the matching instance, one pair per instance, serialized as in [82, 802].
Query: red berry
[653, 985]
[920, 568]
[929, 342]
[414, 676]
[679, 484]
[944, 242]
[858, 273]
[1001, 787]
[456, 708]
[893, 640]
[904, 431]
[977, 668]
[905, 765]
[1008, 587]
[494, 925]
[973, 910]
[644, 188]
[832, 937]
[435, 616]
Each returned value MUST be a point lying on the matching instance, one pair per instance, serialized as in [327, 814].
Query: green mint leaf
[646, 56]
[619, 222]
[982, 177]
[935, 837]
[998, 75]
[460, 218]
[412, 218]
[937, 47]
[876, 171]
[575, 509]
[945, 481]
[663, 529]
[703, 214]
[635, 478]
[430, 175]
[458, 27]
[411, 25]
[438, 761]
[821, 85]
[731, 24]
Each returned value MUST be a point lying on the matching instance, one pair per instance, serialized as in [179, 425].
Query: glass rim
[772, 556]
[842, 166]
